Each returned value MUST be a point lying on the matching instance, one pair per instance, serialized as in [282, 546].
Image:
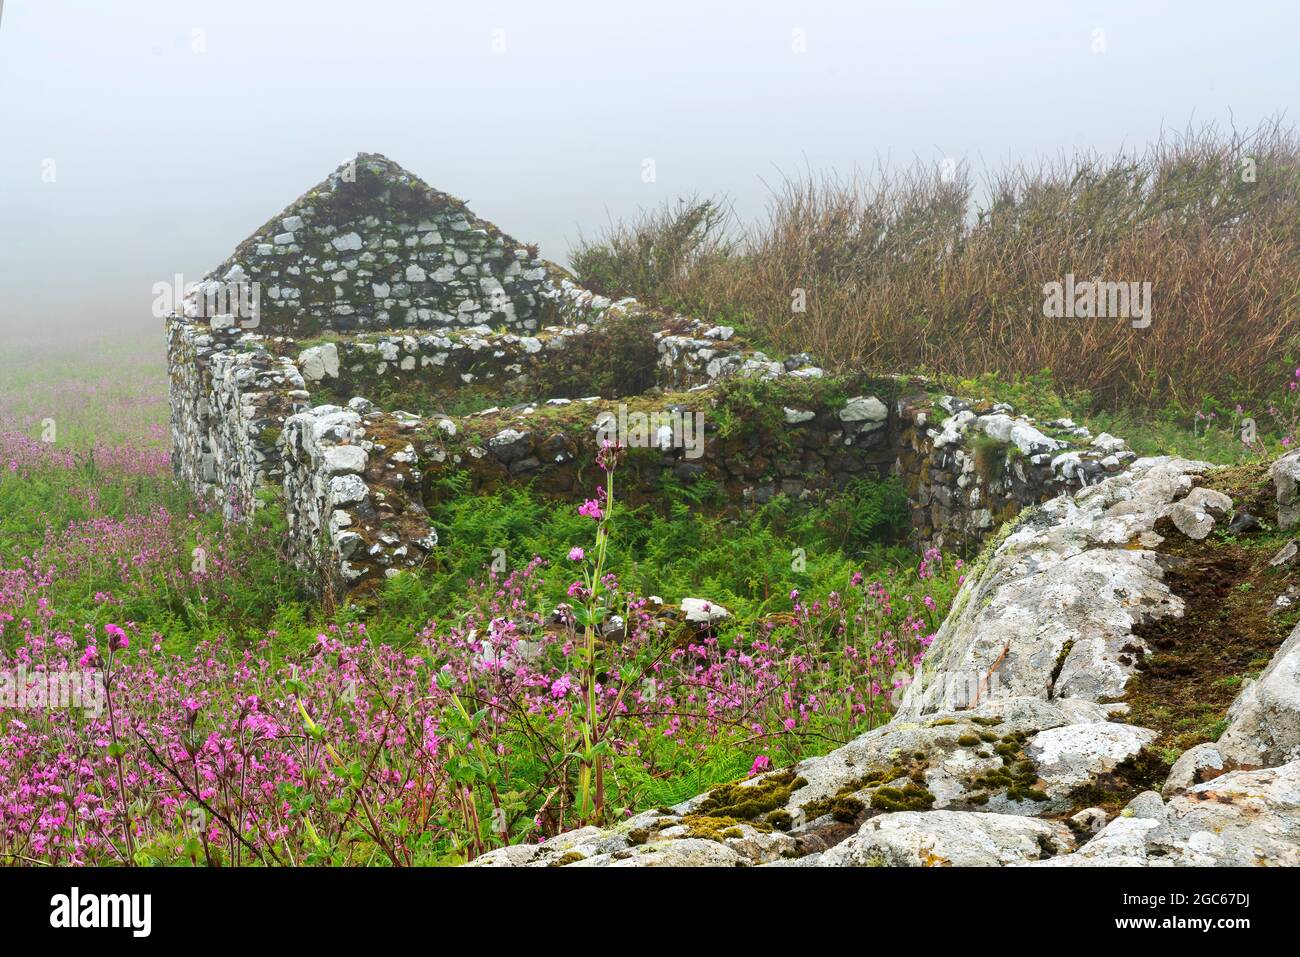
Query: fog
[147, 138]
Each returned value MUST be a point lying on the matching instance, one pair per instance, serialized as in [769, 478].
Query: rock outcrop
[1241, 819]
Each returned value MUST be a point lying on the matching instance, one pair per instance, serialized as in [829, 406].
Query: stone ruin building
[376, 337]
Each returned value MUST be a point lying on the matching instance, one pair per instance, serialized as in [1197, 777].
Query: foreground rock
[949, 839]
[1052, 614]
[1285, 473]
[1243, 818]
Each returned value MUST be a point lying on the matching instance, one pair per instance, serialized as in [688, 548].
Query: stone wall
[373, 247]
[970, 467]
[229, 399]
[375, 285]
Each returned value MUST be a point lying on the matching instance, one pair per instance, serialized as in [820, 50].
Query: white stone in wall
[1017, 432]
[703, 611]
[952, 429]
[867, 409]
[334, 426]
[348, 241]
[347, 490]
[318, 362]
[344, 460]
[346, 543]
[1069, 465]
[1108, 443]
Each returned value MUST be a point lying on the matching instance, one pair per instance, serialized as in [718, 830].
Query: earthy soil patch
[1196, 665]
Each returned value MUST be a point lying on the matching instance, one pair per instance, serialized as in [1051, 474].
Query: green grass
[1215, 437]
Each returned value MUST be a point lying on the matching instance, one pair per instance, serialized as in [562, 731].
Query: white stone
[1069, 756]
[347, 489]
[1017, 432]
[865, 408]
[1285, 473]
[318, 362]
[949, 839]
[1264, 721]
[346, 543]
[703, 610]
[1207, 500]
[1105, 442]
[344, 459]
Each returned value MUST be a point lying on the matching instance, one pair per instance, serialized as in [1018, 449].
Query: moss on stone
[711, 828]
[910, 797]
[747, 802]
[1017, 778]
[782, 820]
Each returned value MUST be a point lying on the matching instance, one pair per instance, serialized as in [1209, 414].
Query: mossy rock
[748, 802]
[910, 797]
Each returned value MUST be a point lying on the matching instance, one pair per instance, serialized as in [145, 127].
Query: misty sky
[168, 146]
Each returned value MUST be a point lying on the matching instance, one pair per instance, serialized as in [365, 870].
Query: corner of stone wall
[352, 491]
[970, 467]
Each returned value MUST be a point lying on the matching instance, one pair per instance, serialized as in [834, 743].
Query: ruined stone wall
[372, 285]
[352, 492]
[354, 477]
[968, 468]
[229, 400]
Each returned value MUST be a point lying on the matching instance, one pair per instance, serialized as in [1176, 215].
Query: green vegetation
[675, 549]
[910, 271]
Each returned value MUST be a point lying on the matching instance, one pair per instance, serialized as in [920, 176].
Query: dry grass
[915, 270]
